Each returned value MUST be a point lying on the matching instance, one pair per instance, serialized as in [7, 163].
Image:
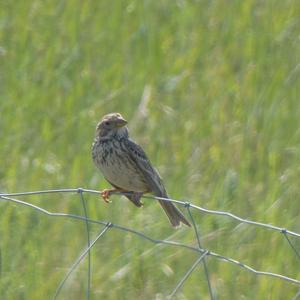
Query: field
[211, 90]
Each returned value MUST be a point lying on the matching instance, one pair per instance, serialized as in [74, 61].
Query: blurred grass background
[210, 89]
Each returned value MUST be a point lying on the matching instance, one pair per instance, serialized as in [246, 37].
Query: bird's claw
[105, 195]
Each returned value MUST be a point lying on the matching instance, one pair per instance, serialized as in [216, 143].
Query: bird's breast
[115, 163]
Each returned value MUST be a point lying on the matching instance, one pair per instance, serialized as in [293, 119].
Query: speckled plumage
[113, 159]
[126, 166]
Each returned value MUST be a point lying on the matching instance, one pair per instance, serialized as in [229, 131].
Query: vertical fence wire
[200, 247]
[84, 205]
[291, 245]
[187, 274]
[79, 259]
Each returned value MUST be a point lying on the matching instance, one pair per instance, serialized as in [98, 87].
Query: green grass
[218, 85]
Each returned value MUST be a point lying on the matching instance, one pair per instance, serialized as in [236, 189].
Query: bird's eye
[107, 123]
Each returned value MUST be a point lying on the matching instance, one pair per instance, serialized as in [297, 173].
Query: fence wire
[203, 253]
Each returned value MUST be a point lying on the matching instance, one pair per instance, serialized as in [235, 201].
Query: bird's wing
[143, 164]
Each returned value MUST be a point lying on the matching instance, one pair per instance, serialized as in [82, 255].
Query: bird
[125, 165]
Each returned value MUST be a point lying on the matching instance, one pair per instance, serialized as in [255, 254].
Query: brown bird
[127, 168]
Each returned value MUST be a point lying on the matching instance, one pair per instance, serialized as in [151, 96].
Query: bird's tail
[174, 214]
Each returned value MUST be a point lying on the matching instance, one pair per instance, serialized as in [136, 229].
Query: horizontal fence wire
[203, 253]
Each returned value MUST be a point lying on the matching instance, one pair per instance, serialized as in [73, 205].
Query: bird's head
[112, 125]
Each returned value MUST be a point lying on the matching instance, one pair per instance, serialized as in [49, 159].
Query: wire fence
[190, 208]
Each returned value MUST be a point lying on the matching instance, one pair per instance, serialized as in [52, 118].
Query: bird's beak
[121, 122]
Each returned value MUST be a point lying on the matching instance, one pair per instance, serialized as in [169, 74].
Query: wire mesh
[203, 253]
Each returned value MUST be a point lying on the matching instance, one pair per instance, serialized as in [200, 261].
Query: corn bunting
[127, 168]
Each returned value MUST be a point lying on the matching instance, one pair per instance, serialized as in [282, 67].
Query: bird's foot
[105, 195]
